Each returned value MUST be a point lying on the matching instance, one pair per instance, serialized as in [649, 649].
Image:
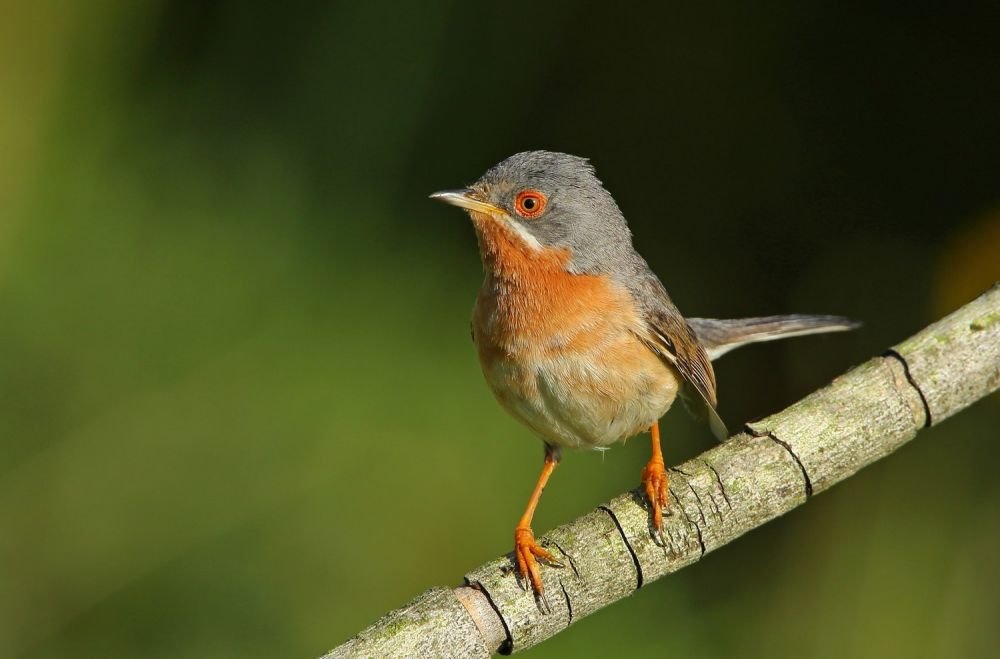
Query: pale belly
[588, 399]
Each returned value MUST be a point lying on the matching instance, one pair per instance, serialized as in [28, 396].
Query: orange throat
[505, 251]
[529, 295]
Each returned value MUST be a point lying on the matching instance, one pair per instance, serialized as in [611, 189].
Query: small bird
[576, 336]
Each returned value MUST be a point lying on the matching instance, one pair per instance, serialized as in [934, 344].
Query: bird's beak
[466, 198]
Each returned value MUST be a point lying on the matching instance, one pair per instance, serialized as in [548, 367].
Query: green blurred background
[240, 415]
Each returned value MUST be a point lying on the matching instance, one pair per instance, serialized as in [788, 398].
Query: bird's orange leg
[525, 547]
[654, 480]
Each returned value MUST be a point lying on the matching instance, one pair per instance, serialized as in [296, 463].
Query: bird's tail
[721, 336]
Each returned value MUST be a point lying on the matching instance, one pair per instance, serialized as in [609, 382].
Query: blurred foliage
[239, 411]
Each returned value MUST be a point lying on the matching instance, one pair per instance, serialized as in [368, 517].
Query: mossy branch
[771, 467]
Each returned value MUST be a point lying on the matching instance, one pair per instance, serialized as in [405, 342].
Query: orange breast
[530, 304]
[558, 349]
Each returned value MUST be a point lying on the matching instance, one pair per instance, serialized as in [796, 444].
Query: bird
[576, 336]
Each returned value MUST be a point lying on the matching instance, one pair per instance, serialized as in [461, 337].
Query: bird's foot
[526, 552]
[654, 482]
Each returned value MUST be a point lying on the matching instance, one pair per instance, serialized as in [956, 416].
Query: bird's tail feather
[721, 336]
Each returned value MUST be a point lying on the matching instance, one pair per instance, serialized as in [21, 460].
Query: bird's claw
[654, 482]
[526, 553]
[542, 602]
[658, 537]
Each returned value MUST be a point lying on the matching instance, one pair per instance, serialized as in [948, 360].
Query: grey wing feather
[699, 408]
[676, 342]
[721, 336]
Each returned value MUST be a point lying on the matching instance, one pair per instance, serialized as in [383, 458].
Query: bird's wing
[672, 339]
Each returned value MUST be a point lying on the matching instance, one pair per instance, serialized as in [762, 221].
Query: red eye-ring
[529, 204]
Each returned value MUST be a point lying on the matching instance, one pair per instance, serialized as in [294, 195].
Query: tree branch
[774, 465]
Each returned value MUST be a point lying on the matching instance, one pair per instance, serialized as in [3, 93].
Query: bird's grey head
[552, 200]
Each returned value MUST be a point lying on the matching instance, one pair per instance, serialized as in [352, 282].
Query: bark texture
[774, 465]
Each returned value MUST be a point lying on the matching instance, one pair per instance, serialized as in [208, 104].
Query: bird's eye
[529, 204]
